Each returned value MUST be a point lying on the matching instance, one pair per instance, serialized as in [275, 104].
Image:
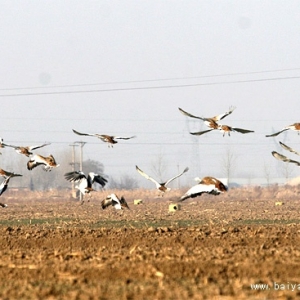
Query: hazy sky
[124, 68]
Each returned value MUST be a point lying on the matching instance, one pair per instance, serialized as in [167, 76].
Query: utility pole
[73, 163]
[81, 144]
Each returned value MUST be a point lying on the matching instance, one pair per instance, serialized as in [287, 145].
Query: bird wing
[240, 130]
[190, 115]
[97, 178]
[284, 158]
[185, 170]
[275, 134]
[74, 176]
[288, 148]
[148, 177]
[198, 190]
[38, 146]
[7, 145]
[106, 202]
[124, 138]
[201, 132]
[87, 134]
[35, 161]
[123, 202]
[6, 174]
[3, 185]
[222, 116]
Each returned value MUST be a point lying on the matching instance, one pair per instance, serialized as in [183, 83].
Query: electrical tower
[194, 126]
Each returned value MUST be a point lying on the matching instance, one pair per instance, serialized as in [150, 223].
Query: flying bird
[208, 185]
[211, 119]
[295, 127]
[1, 144]
[48, 162]
[85, 183]
[224, 129]
[110, 139]
[288, 148]
[284, 158]
[3, 188]
[115, 201]
[6, 174]
[162, 187]
[26, 150]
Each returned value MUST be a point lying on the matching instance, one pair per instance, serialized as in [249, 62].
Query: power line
[150, 87]
[151, 80]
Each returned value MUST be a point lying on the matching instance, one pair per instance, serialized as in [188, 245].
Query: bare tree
[287, 170]
[229, 163]
[124, 183]
[159, 165]
[267, 172]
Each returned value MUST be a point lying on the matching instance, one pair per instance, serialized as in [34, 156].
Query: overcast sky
[124, 67]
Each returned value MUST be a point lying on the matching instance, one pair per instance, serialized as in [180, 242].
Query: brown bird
[115, 201]
[284, 158]
[162, 187]
[223, 128]
[295, 127]
[208, 184]
[6, 174]
[209, 120]
[110, 139]
[48, 162]
[26, 150]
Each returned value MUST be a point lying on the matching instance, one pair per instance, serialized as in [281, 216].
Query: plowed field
[214, 247]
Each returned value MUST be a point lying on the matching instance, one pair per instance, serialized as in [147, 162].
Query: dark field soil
[214, 247]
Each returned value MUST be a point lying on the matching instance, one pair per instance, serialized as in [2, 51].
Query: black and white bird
[208, 185]
[48, 162]
[162, 187]
[115, 201]
[3, 188]
[110, 139]
[25, 150]
[295, 127]
[85, 182]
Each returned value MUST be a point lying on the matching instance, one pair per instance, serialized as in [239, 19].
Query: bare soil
[214, 247]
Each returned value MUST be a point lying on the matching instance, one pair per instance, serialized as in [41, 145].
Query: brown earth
[215, 247]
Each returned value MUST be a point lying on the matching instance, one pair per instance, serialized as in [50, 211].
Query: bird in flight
[214, 119]
[212, 123]
[208, 185]
[115, 201]
[110, 139]
[295, 127]
[48, 162]
[6, 174]
[288, 148]
[224, 129]
[26, 150]
[85, 183]
[284, 158]
[162, 187]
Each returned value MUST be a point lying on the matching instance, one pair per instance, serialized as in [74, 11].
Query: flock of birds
[208, 184]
